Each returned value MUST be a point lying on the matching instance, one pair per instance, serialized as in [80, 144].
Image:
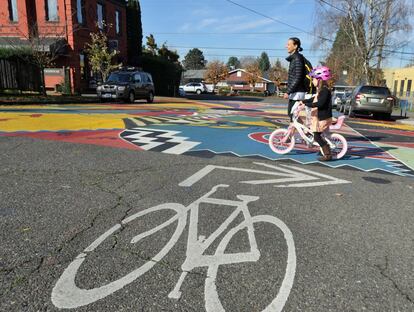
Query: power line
[276, 20]
[227, 33]
[232, 48]
[332, 6]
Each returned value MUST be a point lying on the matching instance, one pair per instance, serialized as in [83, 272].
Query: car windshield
[117, 77]
[375, 90]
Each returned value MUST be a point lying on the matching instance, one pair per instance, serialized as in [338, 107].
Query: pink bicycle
[282, 141]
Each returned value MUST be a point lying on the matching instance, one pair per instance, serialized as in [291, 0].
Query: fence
[16, 74]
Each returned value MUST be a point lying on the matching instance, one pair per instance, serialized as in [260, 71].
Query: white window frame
[100, 15]
[13, 12]
[51, 6]
[117, 22]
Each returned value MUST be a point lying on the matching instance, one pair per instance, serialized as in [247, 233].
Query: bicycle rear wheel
[67, 295]
[341, 146]
[280, 143]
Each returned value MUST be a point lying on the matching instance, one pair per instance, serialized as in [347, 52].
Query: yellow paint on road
[12, 122]
[384, 125]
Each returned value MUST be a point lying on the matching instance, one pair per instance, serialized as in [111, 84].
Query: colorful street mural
[205, 129]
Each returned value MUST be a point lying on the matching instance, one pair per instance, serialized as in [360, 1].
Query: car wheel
[131, 97]
[198, 91]
[387, 116]
[150, 98]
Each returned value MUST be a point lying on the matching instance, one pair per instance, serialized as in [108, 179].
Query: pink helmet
[321, 72]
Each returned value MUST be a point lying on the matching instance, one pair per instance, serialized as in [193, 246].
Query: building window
[402, 87]
[100, 16]
[409, 82]
[82, 65]
[118, 22]
[13, 11]
[239, 73]
[80, 11]
[51, 9]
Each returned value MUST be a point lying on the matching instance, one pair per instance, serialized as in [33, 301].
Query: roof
[245, 71]
[194, 74]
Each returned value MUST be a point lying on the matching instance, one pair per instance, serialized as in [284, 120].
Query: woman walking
[296, 76]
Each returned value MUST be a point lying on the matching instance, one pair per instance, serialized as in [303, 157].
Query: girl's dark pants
[318, 138]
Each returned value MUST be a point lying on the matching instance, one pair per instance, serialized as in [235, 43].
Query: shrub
[6, 53]
[224, 90]
[249, 93]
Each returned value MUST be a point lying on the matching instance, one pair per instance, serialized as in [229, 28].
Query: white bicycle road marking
[286, 173]
[66, 294]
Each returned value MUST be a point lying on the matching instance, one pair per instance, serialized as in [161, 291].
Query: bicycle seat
[338, 124]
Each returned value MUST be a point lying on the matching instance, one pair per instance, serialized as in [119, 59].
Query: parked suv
[128, 85]
[371, 100]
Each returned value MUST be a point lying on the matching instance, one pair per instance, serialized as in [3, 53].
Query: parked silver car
[370, 100]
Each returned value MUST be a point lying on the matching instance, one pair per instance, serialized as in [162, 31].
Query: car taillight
[359, 96]
[390, 98]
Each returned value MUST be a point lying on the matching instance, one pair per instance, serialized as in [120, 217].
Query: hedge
[166, 75]
[6, 53]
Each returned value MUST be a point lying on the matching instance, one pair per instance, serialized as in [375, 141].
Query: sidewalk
[408, 121]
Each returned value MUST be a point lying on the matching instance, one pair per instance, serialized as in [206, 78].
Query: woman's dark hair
[296, 41]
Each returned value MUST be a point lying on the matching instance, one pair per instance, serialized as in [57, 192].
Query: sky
[221, 29]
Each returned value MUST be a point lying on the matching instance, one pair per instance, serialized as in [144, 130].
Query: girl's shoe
[326, 153]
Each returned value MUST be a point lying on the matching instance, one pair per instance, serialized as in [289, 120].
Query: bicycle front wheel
[341, 146]
[67, 295]
[280, 143]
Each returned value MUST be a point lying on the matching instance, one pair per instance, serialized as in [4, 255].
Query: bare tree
[373, 29]
[247, 60]
[42, 46]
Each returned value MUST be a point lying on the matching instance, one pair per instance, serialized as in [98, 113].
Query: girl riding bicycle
[321, 105]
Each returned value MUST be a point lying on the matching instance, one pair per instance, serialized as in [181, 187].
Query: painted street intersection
[205, 129]
[180, 205]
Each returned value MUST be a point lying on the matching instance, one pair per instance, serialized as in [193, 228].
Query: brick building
[64, 26]
[238, 79]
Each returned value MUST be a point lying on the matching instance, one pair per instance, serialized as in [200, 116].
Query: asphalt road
[333, 247]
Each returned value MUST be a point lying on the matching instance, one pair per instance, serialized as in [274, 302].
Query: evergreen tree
[168, 54]
[264, 62]
[233, 63]
[194, 60]
[134, 33]
[152, 47]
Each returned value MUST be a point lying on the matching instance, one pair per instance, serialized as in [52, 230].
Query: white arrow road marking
[207, 169]
[311, 175]
[286, 174]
